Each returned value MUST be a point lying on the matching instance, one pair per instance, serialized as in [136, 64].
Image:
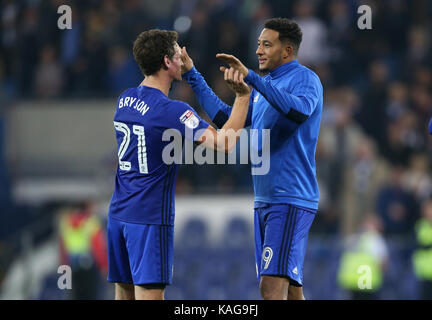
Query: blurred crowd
[374, 152]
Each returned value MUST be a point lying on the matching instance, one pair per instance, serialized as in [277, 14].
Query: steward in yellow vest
[83, 249]
[361, 265]
[422, 257]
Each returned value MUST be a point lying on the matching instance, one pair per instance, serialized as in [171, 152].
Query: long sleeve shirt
[288, 102]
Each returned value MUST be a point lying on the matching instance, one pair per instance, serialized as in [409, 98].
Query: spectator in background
[349, 163]
[7, 88]
[70, 43]
[364, 176]
[338, 138]
[229, 39]
[340, 24]
[422, 101]
[196, 37]
[49, 77]
[397, 102]
[313, 51]
[418, 51]
[83, 248]
[93, 79]
[396, 205]
[111, 11]
[161, 13]
[123, 72]
[340, 27]
[133, 20]
[373, 103]
[397, 151]
[422, 257]
[417, 178]
[9, 11]
[364, 261]
[257, 13]
[28, 51]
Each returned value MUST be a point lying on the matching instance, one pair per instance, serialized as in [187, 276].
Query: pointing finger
[231, 74]
[225, 57]
[236, 76]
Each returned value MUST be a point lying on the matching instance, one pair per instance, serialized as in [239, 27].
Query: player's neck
[284, 61]
[158, 81]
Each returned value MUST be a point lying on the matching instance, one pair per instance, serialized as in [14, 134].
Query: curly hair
[150, 48]
[288, 30]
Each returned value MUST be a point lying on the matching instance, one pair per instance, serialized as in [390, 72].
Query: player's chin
[263, 68]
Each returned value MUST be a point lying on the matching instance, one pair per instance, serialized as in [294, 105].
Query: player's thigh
[285, 242]
[274, 224]
[296, 246]
[150, 250]
[259, 238]
[118, 256]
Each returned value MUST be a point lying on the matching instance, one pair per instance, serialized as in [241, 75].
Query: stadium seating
[225, 269]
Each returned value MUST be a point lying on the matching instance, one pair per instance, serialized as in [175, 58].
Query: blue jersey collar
[283, 69]
[151, 88]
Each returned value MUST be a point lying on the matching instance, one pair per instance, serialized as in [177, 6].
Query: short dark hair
[150, 48]
[288, 30]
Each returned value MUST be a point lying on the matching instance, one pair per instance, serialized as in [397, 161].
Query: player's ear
[166, 63]
[288, 50]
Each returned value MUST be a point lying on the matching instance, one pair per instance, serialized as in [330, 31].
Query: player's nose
[259, 51]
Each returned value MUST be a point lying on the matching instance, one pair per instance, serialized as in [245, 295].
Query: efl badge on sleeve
[189, 119]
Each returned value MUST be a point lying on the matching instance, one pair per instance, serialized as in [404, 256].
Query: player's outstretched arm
[226, 138]
[216, 109]
[297, 105]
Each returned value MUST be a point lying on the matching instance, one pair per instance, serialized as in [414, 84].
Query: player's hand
[233, 62]
[187, 61]
[234, 79]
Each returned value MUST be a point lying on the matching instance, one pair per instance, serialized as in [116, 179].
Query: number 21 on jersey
[142, 151]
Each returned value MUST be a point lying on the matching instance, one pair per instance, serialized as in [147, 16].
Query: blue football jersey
[287, 103]
[145, 183]
[294, 123]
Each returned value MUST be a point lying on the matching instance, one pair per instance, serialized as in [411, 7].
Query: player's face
[270, 50]
[176, 64]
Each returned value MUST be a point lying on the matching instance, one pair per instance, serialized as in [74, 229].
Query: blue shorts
[281, 232]
[141, 254]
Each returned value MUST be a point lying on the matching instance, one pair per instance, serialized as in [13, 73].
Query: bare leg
[295, 293]
[142, 293]
[274, 288]
[124, 291]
